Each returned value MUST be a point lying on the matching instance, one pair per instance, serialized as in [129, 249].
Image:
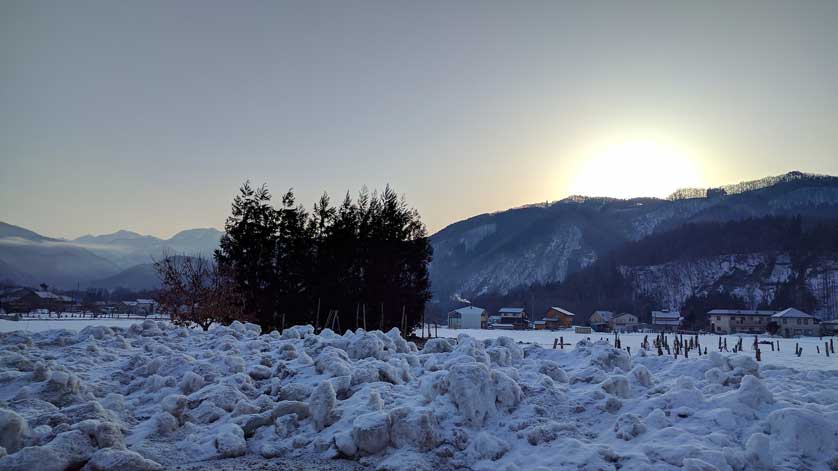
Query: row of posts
[683, 346]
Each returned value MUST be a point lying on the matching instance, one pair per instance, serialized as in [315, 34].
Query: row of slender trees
[363, 263]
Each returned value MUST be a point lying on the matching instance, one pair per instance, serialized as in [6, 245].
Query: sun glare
[635, 167]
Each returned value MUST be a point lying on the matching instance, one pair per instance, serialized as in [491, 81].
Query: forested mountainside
[493, 255]
[771, 262]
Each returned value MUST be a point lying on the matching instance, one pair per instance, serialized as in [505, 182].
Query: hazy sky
[148, 115]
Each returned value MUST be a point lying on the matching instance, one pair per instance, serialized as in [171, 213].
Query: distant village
[41, 302]
[790, 322]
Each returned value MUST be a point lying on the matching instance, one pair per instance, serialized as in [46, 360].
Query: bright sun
[635, 167]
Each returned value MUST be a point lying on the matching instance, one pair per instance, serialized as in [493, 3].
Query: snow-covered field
[231, 398]
[40, 325]
[813, 356]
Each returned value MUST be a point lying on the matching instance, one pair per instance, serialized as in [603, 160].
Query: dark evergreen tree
[248, 252]
[298, 267]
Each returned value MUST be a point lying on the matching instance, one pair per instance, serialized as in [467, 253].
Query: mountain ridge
[544, 243]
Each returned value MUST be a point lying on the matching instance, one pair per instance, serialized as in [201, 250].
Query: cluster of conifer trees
[363, 263]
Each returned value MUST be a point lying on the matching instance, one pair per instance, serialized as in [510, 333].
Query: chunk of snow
[321, 403]
[229, 441]
[371, 432]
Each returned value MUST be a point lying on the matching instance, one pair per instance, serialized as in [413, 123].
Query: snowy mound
[154, 396]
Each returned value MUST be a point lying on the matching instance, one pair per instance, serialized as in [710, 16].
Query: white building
[666, 320]
[793, 322]
[468, 317]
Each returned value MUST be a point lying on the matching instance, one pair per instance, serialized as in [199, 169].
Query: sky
[148, 115]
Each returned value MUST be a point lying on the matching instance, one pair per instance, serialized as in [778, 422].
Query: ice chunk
[191, 382]
[759, 451]
[471, 388]
[109, 459]
[433, 384]
[508, 392]
[175, 404]
[75, 446]
[321, 403]
[617, 385]
[259, 372]
[628, 426]
[413, 427]
[229, 441]
[437, 346]
[371, 432]
[642, 375]
[345, 443]
[13, 429]
[488, 447]
[32, 458]
[553, 370]
[109, 435]
[366, 346]
[802, 431]
[333, 361]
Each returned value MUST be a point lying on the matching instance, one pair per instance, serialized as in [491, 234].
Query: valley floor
[153, 396]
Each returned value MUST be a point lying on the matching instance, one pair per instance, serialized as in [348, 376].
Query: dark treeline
[367, 256]
[602, 285]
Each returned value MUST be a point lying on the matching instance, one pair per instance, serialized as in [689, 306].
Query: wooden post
[561, 340]
[759, 357]
[364, 309]
[317, 319]
[826, 348]
[555, 342]
[283, 322]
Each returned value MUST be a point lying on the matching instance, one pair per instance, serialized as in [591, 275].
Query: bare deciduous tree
[195, 291]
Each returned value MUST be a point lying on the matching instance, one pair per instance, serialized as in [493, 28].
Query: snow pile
[153, 396]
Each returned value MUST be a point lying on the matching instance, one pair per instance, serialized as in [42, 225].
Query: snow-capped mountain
[126, 249]
[494, 253]
[122, 258]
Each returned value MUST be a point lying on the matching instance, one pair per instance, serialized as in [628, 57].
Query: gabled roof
[563, 311]
[625, 314]
[470, 310]
[793, 313]
[511, 310]
[146, 301]
[666, 314]
[605, 315]
[740, 312]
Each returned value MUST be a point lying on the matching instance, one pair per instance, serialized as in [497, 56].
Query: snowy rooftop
[470, 310]
[605, 315]
[666, 314]
[793, 313]
[563, 311]
[510, 310]
[740, 312]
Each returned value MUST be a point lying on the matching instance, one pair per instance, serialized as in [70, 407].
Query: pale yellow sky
[148, 115]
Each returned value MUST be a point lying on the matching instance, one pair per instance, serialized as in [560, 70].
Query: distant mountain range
[123, 258]
[487, 255]
[545, 243]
